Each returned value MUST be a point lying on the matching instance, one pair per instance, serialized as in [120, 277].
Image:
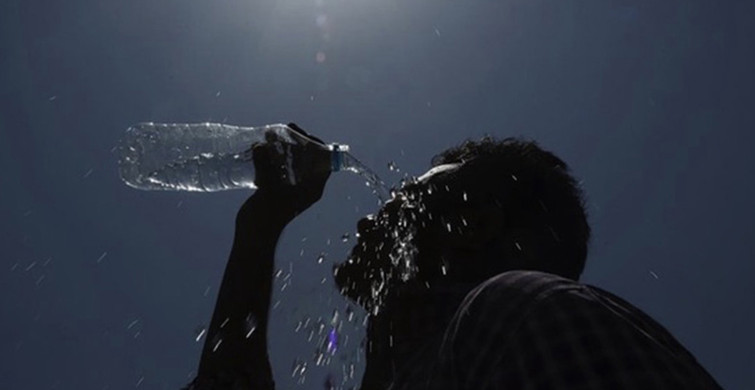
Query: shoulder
[514, 291]
[514, 302]
[492, 313]
[517, 326]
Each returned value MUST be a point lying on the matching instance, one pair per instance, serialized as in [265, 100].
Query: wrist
[271, 208]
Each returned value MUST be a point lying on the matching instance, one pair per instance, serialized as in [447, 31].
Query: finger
[304, 133]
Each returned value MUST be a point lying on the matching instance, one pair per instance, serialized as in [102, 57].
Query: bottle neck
[337, 152]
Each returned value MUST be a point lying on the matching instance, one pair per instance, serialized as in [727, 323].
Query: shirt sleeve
[538, 331]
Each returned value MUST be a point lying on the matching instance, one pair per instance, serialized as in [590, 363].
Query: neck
[408, 329]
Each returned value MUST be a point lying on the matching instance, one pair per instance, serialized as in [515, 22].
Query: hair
[524, 194]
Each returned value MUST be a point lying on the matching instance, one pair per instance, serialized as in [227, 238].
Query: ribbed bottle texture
[202, 157]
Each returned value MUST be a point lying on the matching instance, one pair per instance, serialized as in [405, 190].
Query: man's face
[385, 252]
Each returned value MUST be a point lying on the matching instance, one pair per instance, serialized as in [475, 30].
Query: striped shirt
[536, 331]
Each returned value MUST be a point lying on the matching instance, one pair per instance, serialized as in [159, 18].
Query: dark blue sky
[103, 286]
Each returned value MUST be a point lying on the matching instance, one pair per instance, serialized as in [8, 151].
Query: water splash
[377, 185]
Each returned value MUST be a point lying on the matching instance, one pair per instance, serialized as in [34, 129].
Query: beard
[378, 264]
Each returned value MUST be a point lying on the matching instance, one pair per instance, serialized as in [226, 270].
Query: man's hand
[294, 174]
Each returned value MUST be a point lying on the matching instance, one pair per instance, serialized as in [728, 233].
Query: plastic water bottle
[204, 157]
[209, 157]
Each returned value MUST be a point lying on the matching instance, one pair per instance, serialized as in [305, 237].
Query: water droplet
[518, 247]
[345, 237]
[464, 195]
[217, 344]
[102, 256]
[514, 177]
[295, 368]
[332, 341]
[321, 258]
[250, 325]
[392, 167]
[199, 332]
[654, 275]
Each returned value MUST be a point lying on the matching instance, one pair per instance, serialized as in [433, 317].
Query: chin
[347, 276]
[356, 279]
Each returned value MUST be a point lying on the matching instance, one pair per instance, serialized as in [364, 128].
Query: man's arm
[236, 345]
[235, 350]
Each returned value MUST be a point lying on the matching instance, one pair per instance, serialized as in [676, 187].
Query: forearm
[236, 343]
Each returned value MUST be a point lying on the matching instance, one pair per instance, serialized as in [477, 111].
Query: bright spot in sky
[321, 20]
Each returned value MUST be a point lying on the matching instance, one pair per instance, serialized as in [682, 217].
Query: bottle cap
[336, 156]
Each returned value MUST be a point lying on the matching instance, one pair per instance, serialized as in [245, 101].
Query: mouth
[377, 260]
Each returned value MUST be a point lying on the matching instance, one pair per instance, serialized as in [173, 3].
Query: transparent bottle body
[202, 157]
[209, 157]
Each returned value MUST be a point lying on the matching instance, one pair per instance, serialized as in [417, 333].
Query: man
[468, 273]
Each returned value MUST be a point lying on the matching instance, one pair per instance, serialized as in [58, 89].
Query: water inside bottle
[377, 185]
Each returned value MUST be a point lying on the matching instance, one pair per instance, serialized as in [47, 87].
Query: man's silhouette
[468, 273]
